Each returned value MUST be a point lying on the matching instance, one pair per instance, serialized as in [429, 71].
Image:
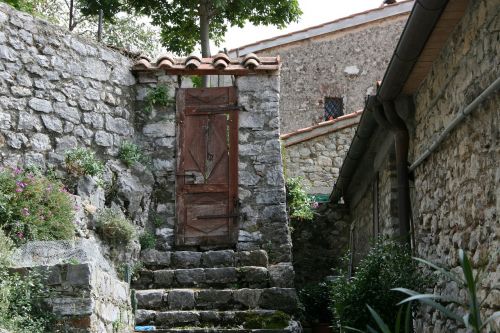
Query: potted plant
[315, 300]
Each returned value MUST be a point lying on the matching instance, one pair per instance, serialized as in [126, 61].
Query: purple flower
[314, 204]
[21, 184]
[19, 235]
[19, 190]
[18, 171]
[25, 211]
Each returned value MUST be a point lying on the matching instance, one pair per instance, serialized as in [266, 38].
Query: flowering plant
[34, 207]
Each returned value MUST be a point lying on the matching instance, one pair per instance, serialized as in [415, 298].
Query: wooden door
[207, 167]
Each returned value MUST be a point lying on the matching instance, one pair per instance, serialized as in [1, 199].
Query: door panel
[207, 167]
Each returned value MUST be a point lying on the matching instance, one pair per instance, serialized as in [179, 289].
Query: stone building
[425, 157]
[213, 194]
[327, 72]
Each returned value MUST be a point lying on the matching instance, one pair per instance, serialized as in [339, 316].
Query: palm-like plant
[472, 319]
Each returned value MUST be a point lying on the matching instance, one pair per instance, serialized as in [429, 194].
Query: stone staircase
[215, 291]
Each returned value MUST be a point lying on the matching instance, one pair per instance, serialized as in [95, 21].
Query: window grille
[334, 107]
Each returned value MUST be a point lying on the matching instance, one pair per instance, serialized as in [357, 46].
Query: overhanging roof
[426, 32]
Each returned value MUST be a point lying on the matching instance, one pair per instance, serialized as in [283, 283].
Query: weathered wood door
[207, 167]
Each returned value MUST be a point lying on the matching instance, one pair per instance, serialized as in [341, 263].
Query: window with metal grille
[334, 107]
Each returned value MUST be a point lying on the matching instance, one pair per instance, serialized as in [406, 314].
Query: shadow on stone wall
[318, 245]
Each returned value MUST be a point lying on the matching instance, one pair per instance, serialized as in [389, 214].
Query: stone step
[250, 319]
[224, 277]
[293, 327]
[284, 299]
[154, 259]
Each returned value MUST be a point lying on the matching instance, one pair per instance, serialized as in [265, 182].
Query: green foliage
[402, 323]
[22, 5]
[157, 96]
[315, 298]
[472, 319]
[21, 297]
[386, 266]
[6, 246]
[34, 207]
[298, 202]
[179, 20]
[130, 153]
[157, 221]
[147, 241]
[131, 32]
[83, 162]
[114, 228]
[197, 81]
[277, 320]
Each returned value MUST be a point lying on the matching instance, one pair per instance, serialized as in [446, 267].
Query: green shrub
[33, 207]
[197, 81]
[83, 162]
[130, 153]
[21, 297]
[298, 202]
[388, 265]
[114, 228]
[158, 95]
[315, 298]
[147, 241]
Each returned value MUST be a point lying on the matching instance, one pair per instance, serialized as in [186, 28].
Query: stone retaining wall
[457, 193]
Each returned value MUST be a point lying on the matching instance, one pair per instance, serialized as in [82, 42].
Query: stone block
[190, 277]
[69, 306]
[163, 278]
[52, 123]
[40, 105]
[213, 299]
[149, 299]
[249, 298]
[220, 276]
[79, 275]
[177, 318]
[281, 275]
[181, 299]
[143, 317]
[253, 276]
[155, 257]
[186, 259]
[252, 258]
[279, 299]
[159, 130]
[213, 259]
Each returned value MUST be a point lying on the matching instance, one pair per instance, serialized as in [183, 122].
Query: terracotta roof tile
[220, 64]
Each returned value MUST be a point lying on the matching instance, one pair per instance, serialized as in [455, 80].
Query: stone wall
[318, 245]
[263, 223]
[457, 188]
[344, 64]
[318, 160]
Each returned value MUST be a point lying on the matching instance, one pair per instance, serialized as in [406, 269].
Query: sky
[314, 12]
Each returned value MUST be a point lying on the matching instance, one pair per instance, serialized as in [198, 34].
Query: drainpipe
[402, 140]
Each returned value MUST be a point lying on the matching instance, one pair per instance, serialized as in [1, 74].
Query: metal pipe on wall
[457, 120]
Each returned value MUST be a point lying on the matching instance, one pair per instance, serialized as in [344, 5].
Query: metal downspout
[402, 141]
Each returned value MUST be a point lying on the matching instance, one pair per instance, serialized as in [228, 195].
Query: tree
[185, 23]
